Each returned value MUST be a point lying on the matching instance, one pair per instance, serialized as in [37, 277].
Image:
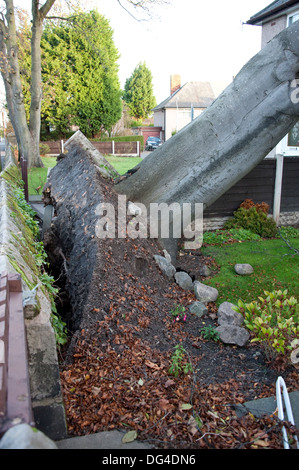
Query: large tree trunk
[36, 83]
[230, 138]
[27, 135]
[11, 76]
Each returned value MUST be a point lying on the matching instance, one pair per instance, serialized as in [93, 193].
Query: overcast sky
[197, 39]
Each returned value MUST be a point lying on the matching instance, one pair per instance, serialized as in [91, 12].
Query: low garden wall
[20, 253]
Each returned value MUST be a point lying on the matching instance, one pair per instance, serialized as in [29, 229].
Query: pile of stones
[230, 329]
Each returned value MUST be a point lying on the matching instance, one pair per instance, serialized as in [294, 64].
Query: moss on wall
[26, 242]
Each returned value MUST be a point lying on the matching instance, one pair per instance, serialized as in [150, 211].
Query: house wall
[176, 119]
[159, 118]
[272, 28]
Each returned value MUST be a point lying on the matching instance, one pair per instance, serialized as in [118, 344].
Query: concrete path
[268, 406]
[102, 440]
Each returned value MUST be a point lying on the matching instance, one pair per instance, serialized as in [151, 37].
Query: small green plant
[218, 237]
[178, 312]
[273, 320]
[289, 232]
[178, 364]
[209, 332]
[59, 328]
[58, 325]
[26, 210]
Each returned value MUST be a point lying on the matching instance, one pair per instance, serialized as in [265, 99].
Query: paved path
[101, 440]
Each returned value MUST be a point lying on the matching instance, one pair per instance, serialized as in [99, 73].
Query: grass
[37, 176]
[275, 265]
[123, 164]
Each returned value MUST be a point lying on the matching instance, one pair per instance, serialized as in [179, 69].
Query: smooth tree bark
[235, 133]
[38, 16]
[27, 135]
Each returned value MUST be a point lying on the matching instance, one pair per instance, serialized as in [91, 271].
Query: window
[292, 18]
[293, 136]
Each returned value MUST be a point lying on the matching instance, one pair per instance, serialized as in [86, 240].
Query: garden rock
[204, 271]
[22, 436]
[232, 334]
[198, 308]
[183, 280]
[165, 266]
[167, 255]
[226, 315]
[133, 209]
[205, 293]
[243, 269]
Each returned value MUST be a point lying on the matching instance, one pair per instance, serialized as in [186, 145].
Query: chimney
[175, 83]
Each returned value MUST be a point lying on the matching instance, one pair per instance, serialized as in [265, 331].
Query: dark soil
[115, 371]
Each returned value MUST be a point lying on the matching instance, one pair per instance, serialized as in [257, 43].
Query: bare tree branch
[144, 6]
[44, 10]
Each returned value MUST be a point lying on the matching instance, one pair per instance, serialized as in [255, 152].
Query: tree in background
[138, 93]
[80, 75]
[28, 133]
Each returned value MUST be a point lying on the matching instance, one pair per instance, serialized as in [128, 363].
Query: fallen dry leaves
[119, 374]
[131, 389]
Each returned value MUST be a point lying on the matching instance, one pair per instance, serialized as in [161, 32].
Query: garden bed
[118, 375]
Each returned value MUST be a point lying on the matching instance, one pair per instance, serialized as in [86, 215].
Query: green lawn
[123, 164]
[37, 176]
[275, 267]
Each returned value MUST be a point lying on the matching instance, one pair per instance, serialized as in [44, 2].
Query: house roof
[196, 94]
[274, 8]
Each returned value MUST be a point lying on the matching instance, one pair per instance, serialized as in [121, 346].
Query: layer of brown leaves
[119, 376]
[132, 389]
[120, 380]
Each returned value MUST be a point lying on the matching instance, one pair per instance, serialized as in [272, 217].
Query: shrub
[263, 206]
[273, 320]
[253, 217]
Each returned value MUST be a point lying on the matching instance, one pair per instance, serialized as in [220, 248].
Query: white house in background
[183, 105]
[273, 19]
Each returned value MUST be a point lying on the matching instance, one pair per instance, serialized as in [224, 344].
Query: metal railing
[15, 398]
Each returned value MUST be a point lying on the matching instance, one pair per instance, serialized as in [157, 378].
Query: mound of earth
[116, 370]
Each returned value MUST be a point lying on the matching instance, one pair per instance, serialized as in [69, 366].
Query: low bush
[274, 322]
[253, 217]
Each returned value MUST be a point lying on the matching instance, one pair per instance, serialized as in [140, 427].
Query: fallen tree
[229, 139]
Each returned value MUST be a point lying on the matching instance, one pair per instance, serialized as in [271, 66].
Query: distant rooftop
[197, 94]
[272, 9]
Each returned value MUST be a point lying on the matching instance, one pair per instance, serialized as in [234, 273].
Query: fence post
[24, 176]
[62, 146]
[112, 147]
[278, 187]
